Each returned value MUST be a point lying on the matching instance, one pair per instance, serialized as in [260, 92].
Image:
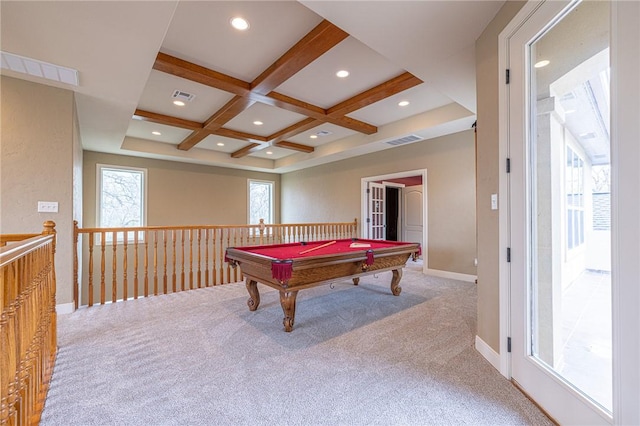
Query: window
[260, 201]
[574, 186]
[121, 197]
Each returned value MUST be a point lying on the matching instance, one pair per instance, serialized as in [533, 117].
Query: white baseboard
[65, 308]
[487, 351]
[451, 275]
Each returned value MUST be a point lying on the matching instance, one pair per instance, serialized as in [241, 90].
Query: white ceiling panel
[318, 85]
[273, 119]
[421, 98]
[143, 130]
[334, 133]
[230, 145]
[201, 33]
[272, 153]
[157, 97]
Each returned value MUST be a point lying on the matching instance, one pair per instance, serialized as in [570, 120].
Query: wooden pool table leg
[288, 302]
[356, 280]
[254, 295]
[395, 282]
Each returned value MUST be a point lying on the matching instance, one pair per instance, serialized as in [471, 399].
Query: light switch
[47, 207]
[494, 201]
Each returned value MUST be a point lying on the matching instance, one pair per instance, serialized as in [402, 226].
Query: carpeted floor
[356, 356]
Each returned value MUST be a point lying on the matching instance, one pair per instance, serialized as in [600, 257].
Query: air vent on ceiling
[587, 135]
[406, 139]
[37, 68]
[183, 96]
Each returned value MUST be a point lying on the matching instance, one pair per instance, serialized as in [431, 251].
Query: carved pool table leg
[356, 280]
[254, 295]
[288, 303]
[395, 282]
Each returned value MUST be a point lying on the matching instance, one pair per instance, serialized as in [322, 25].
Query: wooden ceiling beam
[295, 146]
[243, 152]
[153, 117]
[294, 105]
[313, 45]
[190, 71]
[294, 129]
[192, 140]
[389, 88]
[234, 134]
[228, 112]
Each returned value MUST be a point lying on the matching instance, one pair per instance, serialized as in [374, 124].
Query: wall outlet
[47, 207]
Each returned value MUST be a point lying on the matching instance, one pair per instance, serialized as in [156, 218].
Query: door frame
[625, 203]
[364, 205]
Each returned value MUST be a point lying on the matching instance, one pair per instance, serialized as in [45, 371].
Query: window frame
[143, 215]
[272, 186]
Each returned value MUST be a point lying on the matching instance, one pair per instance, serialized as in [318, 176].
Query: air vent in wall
[406, 139]
[183, 96]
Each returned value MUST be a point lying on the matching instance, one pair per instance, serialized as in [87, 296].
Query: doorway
[559, 215]
[394, 207]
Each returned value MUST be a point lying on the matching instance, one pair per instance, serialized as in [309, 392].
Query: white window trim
[99, 168]
[272, 186]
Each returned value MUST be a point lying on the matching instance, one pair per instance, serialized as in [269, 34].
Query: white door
[558, 138]
[412, 217]
[376, 214]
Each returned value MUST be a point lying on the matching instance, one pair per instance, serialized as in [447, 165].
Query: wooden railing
[155, 260]
[27, 325]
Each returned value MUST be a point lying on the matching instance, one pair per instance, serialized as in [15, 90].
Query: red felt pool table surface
[299, 250]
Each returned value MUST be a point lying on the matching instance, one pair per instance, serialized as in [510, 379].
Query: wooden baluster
[155, 263]
[164, 262]
[223, 247]
[235, 270]
[114, 264]
[182, 273]
[146, 263]
[125, 284]
[199, 257]
[90, 296]
[135, 264]
[173, 256]
[191, 259]
[103, 243]
[206, 257]
[214, 260]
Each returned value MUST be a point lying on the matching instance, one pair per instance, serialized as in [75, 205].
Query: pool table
[292, 267]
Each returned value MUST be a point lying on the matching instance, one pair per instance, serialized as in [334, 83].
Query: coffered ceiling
[266, 98]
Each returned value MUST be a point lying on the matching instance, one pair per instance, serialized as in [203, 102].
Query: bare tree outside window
[121, 197]
[260, 201]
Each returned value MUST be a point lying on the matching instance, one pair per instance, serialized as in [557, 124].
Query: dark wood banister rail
[28, 341]
[154, 260]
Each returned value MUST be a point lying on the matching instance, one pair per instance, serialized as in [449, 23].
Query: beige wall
[489, 167]
[181, 193]
[332, 193]
[37, 165]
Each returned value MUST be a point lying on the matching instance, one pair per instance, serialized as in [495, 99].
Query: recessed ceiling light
[541, 64]
[342, 73]
[156, 133]
[269, 152]
[258, 123]
[403, 103]
[178, 103]
[220, 144]
[314, 136]
[239, 23]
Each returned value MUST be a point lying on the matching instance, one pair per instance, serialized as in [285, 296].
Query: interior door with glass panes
[376, 216]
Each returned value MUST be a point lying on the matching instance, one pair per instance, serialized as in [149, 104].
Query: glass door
[561, 211]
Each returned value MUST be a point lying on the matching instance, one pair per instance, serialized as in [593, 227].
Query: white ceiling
[114, 45]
